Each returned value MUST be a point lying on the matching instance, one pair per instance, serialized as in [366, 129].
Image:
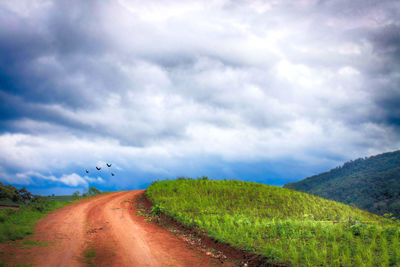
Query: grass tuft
[90, 254]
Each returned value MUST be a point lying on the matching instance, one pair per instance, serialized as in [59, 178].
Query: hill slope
[371, 183]
[285, 226]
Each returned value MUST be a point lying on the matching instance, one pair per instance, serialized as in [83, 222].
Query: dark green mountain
[371, 183]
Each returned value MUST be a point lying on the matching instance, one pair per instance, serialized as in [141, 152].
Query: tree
[25, 194]
[9, 192]
[76, 194]
[93, 191]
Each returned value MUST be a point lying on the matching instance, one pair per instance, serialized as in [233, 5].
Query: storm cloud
[230, 89]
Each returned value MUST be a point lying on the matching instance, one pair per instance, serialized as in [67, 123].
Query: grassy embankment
[16, 224]
[284, 225]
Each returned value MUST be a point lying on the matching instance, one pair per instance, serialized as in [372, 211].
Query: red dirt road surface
[103, 231]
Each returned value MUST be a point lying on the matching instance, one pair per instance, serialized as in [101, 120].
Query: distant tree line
[371, 183]
[92, 191]
[10, 194]
[13, 194]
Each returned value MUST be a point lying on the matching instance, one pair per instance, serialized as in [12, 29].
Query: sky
[265, 91]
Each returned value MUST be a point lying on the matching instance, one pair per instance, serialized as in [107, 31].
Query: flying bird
[108, 165]
[112, 174]
[87, 171]
[98, 168]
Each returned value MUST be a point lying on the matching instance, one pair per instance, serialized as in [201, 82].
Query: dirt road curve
[109, 226]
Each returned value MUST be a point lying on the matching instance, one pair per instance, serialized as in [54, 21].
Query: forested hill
[371, 183]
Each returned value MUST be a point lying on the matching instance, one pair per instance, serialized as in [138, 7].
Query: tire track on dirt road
[125, 239]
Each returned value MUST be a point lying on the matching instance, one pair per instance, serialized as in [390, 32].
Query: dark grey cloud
[316, 81]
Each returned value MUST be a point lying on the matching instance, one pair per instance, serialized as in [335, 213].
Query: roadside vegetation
[283, 225]
[16, 224]
[28, 209]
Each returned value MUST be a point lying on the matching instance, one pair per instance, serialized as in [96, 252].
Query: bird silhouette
[112, 174]
[98, 168]
[108, 165]
[87, 171]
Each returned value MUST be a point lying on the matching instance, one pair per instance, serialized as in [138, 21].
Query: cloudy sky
[266, 91]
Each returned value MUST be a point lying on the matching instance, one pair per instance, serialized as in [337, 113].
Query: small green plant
[141, 212]
[157, 209]
[90, 254]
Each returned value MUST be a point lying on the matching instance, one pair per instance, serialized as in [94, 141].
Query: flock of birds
[99, 168]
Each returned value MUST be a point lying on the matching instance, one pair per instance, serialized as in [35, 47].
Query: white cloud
[14, 178]
[72, 179]
[348, 71]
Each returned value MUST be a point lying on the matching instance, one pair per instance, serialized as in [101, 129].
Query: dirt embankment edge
[198, 237]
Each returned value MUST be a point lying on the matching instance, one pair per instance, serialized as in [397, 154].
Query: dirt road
[103, 231]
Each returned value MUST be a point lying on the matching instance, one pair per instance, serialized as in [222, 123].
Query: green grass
[16, 224]
[2, 264]
[32, 243]
[8, 203]
[71, 197]
[90, 255]
[62, 198]
[283, 225]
